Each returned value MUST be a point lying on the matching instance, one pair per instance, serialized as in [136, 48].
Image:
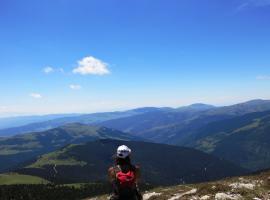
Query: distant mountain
[164, 125]
[243, 140]
[85, 119]
[151, 121]
[177, 125]
[257, 105]
[9, 122]
[21, 148]
[196, 107]
[161, 164]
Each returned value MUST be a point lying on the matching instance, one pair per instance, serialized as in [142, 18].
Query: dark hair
[123, 161]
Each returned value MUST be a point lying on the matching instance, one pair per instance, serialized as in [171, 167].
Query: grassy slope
[14, 178]
[247, 187]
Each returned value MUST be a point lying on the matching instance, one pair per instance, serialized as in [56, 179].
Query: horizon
[127, 109]
[62, 57]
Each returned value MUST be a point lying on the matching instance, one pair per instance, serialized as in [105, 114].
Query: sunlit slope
[13, 178]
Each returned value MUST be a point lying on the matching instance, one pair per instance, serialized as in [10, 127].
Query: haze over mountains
[53, 123]
[24, 120]
[167, 116]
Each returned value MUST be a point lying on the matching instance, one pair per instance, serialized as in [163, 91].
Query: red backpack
[126, 179]
[125, 183]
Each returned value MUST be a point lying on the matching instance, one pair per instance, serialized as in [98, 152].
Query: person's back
[124, 176]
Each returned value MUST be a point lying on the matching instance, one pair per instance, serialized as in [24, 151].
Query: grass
[260, 181]
[14, 178]
[55, 158]
[253, 125]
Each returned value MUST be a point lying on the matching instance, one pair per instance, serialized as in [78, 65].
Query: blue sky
[62, 56]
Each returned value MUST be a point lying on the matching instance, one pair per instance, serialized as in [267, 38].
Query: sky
[82, 56]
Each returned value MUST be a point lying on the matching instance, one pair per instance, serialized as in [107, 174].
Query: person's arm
[111, 174]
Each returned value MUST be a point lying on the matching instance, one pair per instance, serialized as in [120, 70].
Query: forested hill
[90, 161]
[243, 140]
[16, 150]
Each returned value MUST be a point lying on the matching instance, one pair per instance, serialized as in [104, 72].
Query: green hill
[90, 161]
[243, 140]
[16, 150]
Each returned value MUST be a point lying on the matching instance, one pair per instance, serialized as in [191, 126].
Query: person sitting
[124, 176]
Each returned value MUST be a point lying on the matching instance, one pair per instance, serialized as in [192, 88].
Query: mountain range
[236, 134]
[42, 125]
[148, 121]
[174, 126]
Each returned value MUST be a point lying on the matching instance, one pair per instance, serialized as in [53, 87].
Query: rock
[151, 194]
[205, 197]
[178, 196]
[224, 196]
[175, 196]
[194, 198]
[248, 186]
[214, 187]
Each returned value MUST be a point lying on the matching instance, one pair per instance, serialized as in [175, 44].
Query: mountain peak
[196, 107]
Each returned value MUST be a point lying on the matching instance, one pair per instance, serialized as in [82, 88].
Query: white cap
[123, 151]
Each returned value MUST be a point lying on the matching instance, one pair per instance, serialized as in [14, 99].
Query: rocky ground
[255, 187]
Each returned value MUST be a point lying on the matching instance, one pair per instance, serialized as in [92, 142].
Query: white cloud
[263, 77]
[36, 95]
[75, 87]
[48, 70]
[90, 65]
